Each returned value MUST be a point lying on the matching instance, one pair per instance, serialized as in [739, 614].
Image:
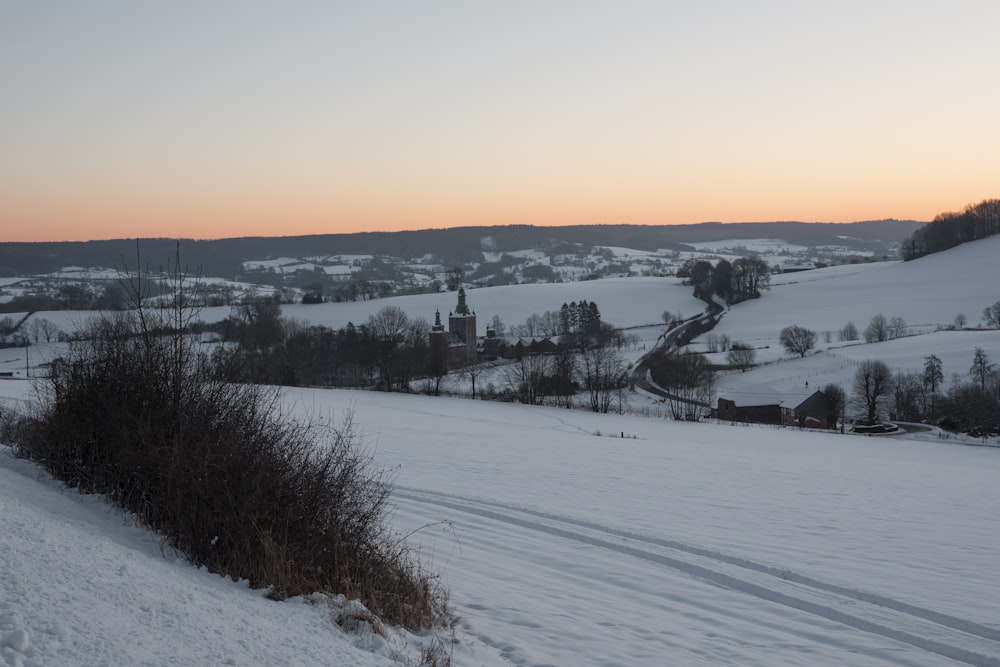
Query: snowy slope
[689, 544]
[80, 587]
[624, 302]
[693, 544]
[926, 292]
[686, 544]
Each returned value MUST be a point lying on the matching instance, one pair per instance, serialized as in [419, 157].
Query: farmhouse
[762, 404]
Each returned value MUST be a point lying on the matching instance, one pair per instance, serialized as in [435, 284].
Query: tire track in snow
[802, 586]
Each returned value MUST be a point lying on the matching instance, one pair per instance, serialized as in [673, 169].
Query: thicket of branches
[217, 468]
[688, 380]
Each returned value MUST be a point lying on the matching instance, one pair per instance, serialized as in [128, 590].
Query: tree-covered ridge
[455, 246]
[948, 230]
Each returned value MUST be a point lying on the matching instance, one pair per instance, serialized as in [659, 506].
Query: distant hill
[225, 257]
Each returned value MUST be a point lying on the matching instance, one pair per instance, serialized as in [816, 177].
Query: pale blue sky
[209, 118]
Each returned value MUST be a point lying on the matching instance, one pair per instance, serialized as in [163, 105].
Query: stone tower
[439, 344]
[462, 323]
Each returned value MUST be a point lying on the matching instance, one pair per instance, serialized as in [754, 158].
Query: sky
[210, 120]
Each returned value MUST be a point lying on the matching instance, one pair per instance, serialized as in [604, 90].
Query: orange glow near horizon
[206, 218]
[334, 118]
[203, 223]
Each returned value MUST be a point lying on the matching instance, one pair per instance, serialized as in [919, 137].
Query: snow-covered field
[562, 543]
[570, 538]
[926, 292]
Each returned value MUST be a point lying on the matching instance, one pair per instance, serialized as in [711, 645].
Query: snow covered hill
[562, 543]
[926, 292]
[572, 538]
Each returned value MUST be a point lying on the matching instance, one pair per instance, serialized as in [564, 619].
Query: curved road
[670, 340]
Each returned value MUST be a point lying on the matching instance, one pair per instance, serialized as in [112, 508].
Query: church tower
[462, 323]
[439, 345]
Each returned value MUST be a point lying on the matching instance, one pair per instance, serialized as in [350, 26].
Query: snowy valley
[571, 538]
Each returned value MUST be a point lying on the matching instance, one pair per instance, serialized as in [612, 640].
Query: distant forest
[455, 246]
[948, 230]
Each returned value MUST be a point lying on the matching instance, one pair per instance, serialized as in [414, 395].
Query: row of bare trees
[587, 360]
[388, 350]
[971, 406]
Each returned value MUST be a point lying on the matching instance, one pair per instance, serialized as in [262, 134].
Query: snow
[528, 253]
[760, 246]
[572, 538]
[926, 292]
[624, 302]
[338, 270]
[274, 263]
[620, 252]
[81, 273]
[82, 587]
[694, 544]
[838, 362]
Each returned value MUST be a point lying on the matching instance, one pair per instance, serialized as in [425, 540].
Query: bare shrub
[741, 356]
[221, 472]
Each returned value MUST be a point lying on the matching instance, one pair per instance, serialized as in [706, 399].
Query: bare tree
[872, 382]
[412, 355]
[526, 378]
[848, 332]
[473, 371]
[546, 324]
[838, 403]
[498, 326]
[717, 342]
[387, 330]
[877, 330]
[453, 278]
[910, 395]
[897, 328]
[798, 340]
[42, 328]
[602, 371]
[982, 368]
[688, 381]
[742, 356]
[991, 315]
[259, 318]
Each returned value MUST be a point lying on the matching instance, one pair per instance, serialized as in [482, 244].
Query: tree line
[971, 403]
[390, 351]
[947, 230]
[733, 282]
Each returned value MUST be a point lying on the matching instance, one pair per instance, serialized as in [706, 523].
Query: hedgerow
[221, 471]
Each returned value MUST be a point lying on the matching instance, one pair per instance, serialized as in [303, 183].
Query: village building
[765, 405]
[458, 346]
